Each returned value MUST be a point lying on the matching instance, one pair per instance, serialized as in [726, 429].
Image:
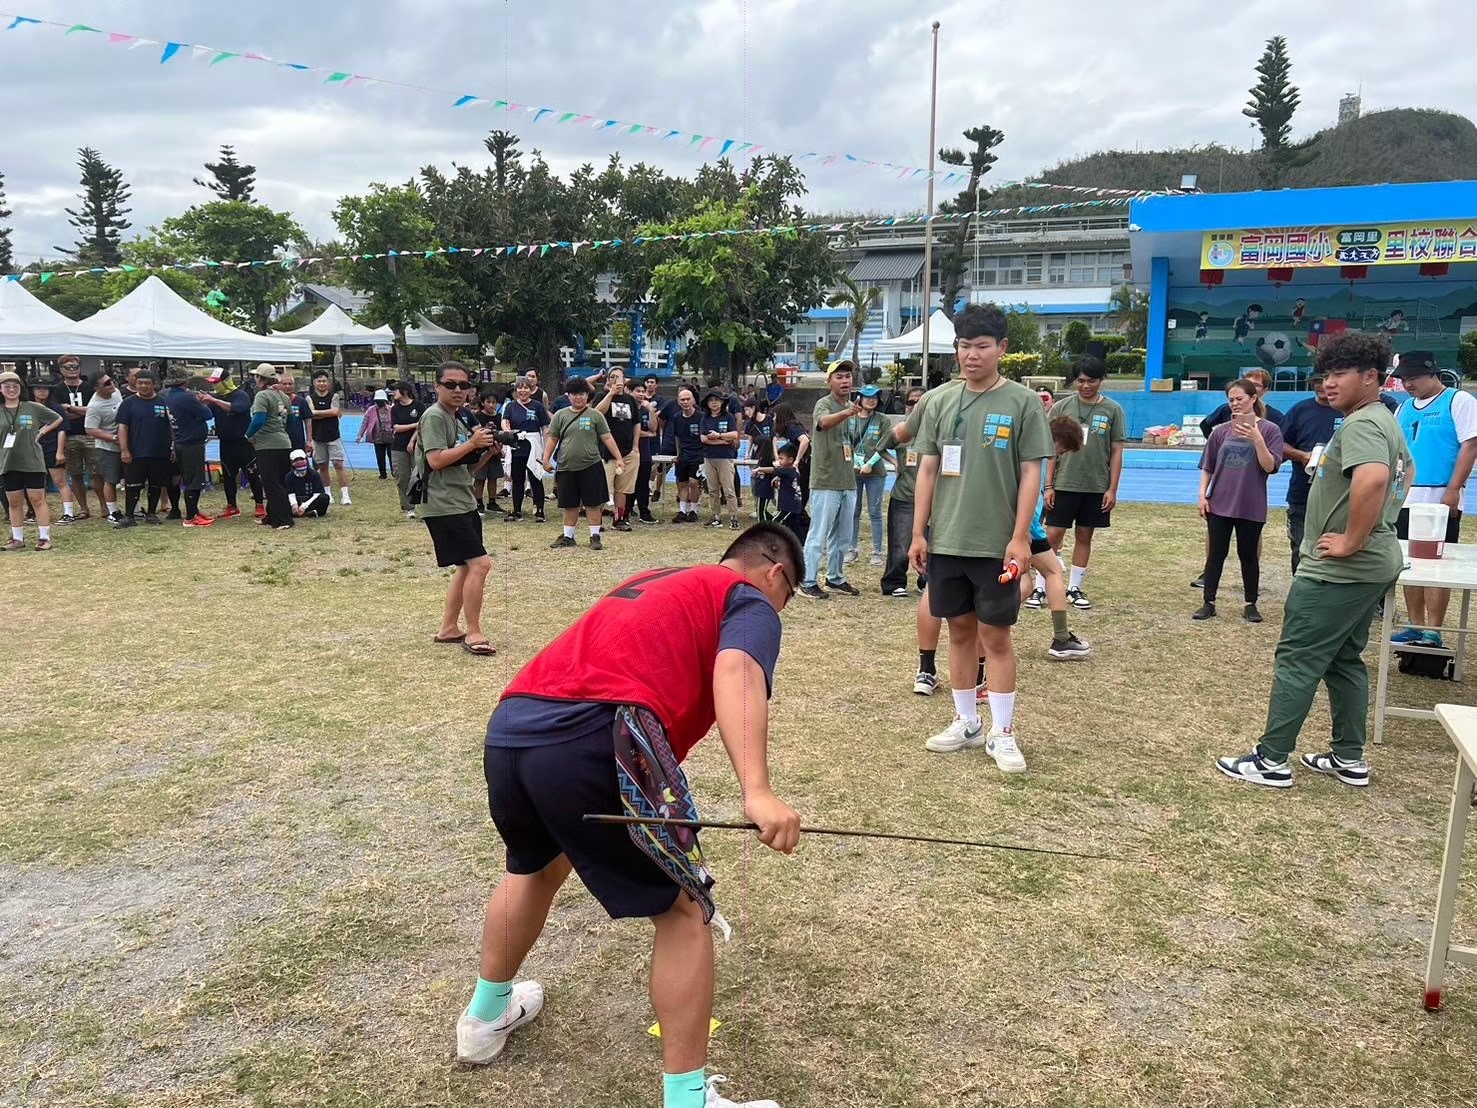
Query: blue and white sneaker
[1408, 636]
[1256, 769]
[925, 684]
[1431, 638]
[1331, 765]
[958, 736]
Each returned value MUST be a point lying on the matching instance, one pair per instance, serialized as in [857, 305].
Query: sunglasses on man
[455, 384]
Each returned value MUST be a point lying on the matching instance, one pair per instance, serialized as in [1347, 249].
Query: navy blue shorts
[538, 797]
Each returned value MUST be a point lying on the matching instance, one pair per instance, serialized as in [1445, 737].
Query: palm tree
[859, 302]
[1130, 314]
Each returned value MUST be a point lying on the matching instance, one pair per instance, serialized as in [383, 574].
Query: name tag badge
[951, 459]
[1086, 431]
[846, 452]
[9, 440]
[912, 459]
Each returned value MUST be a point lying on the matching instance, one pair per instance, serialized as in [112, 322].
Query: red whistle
[1012, 572]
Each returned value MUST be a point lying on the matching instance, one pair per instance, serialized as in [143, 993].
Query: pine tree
[5, 256]
[232, 180]
[1274, 99]
[100, 217]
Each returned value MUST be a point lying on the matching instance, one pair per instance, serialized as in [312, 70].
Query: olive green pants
[1325, 628]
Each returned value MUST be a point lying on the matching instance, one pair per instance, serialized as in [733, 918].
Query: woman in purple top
[1239, 457]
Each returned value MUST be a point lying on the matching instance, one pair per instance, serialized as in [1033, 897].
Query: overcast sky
[1059, 77]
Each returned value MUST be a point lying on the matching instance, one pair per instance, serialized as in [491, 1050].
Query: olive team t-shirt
[579, 435]
[830, 451]
[20, 426]
[1368, 436]
[1103, 425]
[906, 483]
[973, 514]
[449, 489]
[273, 434]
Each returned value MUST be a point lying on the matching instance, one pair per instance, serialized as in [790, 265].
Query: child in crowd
[784, 478]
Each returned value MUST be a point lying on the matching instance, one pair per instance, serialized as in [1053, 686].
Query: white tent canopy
[335, 328]
[27, 326]
[940, 338]
[428, 334]
[154, 321]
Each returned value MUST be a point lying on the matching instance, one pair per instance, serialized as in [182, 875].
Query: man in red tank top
[575, 732]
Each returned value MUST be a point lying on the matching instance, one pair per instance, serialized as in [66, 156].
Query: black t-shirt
[668, 410]
[78, 397]
[646, 445]
[625, 411]
[150, 433]
[787, 495]
[324, 430]
[527, 418]
[721, 424]
[401, 414]
[761, 438]
[687, 434]
[48, 442]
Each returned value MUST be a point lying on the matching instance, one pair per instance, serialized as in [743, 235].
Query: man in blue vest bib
[1440, 427]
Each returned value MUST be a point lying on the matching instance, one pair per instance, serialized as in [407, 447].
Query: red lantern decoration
[1435, 269]
[1280, 276]
[1212, 277]
[1354, 272]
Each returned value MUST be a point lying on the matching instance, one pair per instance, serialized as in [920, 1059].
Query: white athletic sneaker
[410, 514]
[345, 499]
[925, 684]
[1036, 599]
[1001, 746]
[716, 1101]
[479, 1042]
[959, 735]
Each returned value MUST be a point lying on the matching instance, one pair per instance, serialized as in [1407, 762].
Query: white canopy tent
[27, 326]
[940, 338]
[427, 333]
[335, 328]
[154, 321]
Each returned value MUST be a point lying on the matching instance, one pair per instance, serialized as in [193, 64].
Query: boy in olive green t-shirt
[1350, 559]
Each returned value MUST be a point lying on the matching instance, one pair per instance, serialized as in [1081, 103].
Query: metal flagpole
[933, 108]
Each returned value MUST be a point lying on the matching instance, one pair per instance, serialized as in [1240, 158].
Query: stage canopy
[335, 328]
[940, 338]
[27, 326]
[428, 334]
[154, 321]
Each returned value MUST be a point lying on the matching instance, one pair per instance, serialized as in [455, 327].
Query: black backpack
[1439, 667]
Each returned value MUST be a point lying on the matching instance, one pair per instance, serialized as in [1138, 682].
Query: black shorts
[1453, 526]
[1039, 546]
[960, 586]
[689, 470]
[18, 480]
[49, 454]
[148, 471]
[457, 539]
[1080, 509]
[538, 797]
[581, 488]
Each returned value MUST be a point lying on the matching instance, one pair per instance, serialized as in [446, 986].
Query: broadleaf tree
[238, 231]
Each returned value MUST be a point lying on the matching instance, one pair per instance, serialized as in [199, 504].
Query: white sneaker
[1036, 599]
[1001, 746]
[716, 1101]
[479, 1042]
[851, 556]
[410, 514]
[876, 560]
[959, 735]
[345, 499]
[925, 684]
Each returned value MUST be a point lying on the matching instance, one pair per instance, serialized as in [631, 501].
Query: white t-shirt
[1464, 416]
[102, 415]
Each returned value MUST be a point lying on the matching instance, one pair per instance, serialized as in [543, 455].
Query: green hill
[1389, 147]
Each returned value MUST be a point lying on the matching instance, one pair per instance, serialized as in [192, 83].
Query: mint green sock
[490, 1000]
[684, 1090]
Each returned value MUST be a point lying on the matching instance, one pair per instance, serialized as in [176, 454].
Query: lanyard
[963, 407]
[867, 427]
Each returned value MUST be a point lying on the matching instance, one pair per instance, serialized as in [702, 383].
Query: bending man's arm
[741, 704]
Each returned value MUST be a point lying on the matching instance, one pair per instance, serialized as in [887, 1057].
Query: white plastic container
[1428, 530]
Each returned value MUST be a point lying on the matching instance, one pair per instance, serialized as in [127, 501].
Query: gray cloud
[1060, 77]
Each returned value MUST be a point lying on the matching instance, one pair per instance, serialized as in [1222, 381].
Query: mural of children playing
[1202, 328]
[1245, 323]
[1395, 324]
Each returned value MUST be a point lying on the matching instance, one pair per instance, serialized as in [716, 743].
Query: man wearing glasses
[450, 508]
[574, 735]
[80, 445]
[101, 424]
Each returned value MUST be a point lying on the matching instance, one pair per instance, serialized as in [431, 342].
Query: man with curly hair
[1350, 559]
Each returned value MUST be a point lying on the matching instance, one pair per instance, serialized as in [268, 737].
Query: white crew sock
[965, 706]
[1078, 572]
[18, 534]
[1040, 582]
[345, 492]
[66, 507]
[568, 532]
[595, 532]
[1002, 710]
[1061, 561]
[45, 532]
[682, 506]
[112, 507]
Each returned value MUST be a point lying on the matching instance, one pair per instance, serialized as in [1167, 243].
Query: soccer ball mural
[1273, 349]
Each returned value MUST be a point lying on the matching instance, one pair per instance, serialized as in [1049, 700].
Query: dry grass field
[244, 848]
